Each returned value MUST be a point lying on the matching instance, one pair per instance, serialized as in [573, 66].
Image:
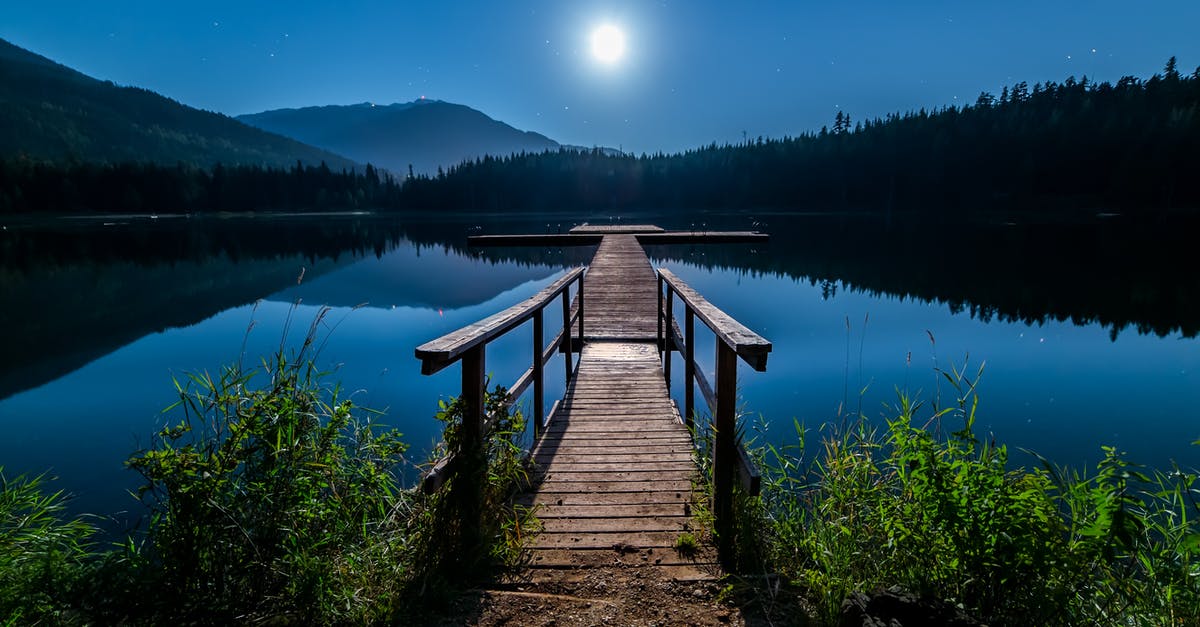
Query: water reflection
[95, 320]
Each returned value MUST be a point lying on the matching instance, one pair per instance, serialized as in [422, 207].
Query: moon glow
[608, 44]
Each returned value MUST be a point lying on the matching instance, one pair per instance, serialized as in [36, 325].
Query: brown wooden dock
[614, 468]
[616, 462]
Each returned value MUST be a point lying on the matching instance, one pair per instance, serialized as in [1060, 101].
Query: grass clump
[686, 545]
[470, 529]
[273, 500]
[43, 556]
[947, 518]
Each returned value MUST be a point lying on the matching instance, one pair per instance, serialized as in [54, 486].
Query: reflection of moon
[608, 43]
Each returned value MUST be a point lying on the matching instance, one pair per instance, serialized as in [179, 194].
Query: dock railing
[469, 345]
[733, 341]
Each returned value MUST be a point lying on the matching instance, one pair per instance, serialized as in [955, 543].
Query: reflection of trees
[1119, 273]
[74, 291]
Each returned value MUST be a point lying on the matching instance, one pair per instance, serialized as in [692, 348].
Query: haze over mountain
[424, 133]
[51, 112]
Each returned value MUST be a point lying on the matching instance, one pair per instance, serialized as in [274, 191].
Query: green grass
[948, 517]
[686, 545]
[43, 556]
[271, 498]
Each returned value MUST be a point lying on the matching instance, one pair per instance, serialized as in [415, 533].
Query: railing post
[580, 299]
[566, 325]
[470, 472]
[539, 383]
[725, 451]
[661, 342]
[668, 338]
[689, 365]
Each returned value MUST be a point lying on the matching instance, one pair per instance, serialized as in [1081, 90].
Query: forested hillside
[1057, 147]
[1051, 150]
[49, 112]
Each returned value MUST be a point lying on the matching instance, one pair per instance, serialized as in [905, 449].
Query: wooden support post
[566, 325]
[689, 366]
[661, 341]
[725, 452]
[471, 468]
[669, 342]
[580, 297]
[539, 380]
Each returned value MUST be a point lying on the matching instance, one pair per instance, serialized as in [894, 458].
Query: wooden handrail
[748, 345]
[440, 353]
[734, 341]
[469, 344]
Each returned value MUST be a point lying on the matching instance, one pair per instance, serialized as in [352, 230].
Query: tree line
[1075, 145]
[1071, 147]
[28, 186]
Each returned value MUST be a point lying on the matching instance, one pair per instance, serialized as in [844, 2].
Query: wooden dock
[616, 462]
[613, 484]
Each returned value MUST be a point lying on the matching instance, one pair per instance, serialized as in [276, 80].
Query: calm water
[95, 335]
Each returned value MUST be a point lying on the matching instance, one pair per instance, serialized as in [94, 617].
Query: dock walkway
[616, 462]
[614, 469]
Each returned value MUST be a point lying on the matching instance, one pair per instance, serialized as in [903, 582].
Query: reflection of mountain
[412, 277]
[58, 320]
[71, 294]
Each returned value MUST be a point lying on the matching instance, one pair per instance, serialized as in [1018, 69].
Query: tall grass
[43, 555]
[272, 498]
[948, 518]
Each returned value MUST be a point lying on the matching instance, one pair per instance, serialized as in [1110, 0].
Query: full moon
[608, 44]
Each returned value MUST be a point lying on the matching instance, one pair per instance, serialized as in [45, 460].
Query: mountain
[424, 133]
[51, 112]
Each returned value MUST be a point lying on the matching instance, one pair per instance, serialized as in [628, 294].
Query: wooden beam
[748, 345]
[443, 351]
[725, 452]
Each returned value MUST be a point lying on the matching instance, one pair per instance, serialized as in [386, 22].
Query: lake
[1088, 332]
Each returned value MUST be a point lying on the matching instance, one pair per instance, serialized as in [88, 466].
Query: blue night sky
[693, 72]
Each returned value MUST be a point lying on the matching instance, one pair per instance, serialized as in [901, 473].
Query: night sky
[692, 72]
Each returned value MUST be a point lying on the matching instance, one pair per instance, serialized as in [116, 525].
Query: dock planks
[620, 293]
[614, 485]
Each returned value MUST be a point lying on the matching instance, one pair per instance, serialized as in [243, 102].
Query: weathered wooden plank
[621, 439]
[621, 291]
[613, 455]
[614, 458]
[657, 484]
[613, 510]
[622, 466]
[608, 229]
[569, 474]
[638, 539]
[678, 524]
[579, 569]
[622, 498]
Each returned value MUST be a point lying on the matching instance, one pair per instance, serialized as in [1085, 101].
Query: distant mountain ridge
[426, 134]
[51, 112]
